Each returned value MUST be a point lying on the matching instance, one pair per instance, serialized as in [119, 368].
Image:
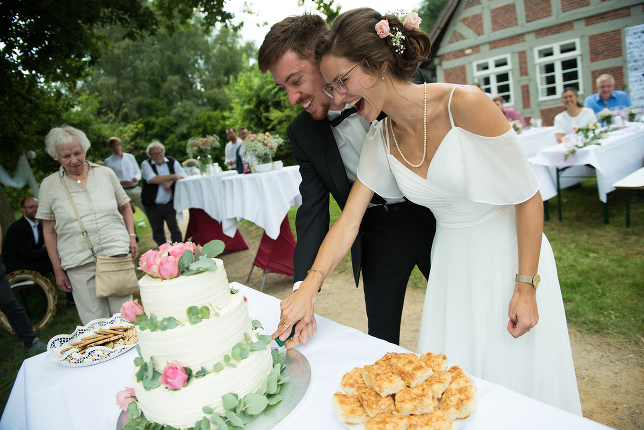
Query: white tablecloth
[536, 138]
[49, 396]
[201, 192]
[618, 155]
[263, 198]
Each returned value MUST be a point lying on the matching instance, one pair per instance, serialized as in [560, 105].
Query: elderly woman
[104, 210]
[573, 115]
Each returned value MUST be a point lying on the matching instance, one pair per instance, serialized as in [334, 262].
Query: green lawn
[600, 272]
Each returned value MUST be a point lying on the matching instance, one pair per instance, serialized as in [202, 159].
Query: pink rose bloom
[173, 376]
[130, 310]
[382, 28]
[177, 250]
[412, 21]
[125, 397]
[253, 136]
[168, 267]
[591, 126]
[165, 247]
[148, 259]
[575, 128]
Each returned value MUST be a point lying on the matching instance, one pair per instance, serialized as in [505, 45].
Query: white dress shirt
[125, 167]
[564, 122]
[34, 228]
[163, 196]
[231, 152]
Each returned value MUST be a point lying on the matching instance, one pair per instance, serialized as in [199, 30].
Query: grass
[600, 272]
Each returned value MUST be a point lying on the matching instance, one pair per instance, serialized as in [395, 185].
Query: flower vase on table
[201, 147]
[264, 164]
[262, 146]
[204, 164]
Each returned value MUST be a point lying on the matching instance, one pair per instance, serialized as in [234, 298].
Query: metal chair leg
[261, 290]
[251, 272]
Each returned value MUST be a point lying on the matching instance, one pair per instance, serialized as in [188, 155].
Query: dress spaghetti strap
[449, 107]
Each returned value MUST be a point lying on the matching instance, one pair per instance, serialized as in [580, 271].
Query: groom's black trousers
[395, 238]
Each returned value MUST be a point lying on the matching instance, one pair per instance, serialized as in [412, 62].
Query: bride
[449, 148]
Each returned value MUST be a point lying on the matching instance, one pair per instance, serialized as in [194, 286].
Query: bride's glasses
[338, 85]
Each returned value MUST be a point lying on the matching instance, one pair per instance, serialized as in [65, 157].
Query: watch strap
[527, 279]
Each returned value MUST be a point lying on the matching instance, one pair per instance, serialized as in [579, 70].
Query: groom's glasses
[338, 85]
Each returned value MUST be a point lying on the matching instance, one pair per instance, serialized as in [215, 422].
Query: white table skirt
[49, 396]
[618, 155]
[201, 192]
[536, 138]
[262, 198]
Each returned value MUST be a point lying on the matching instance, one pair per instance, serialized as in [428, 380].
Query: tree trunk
[6, 213]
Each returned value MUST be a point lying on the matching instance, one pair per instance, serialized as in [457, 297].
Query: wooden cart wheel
[22, 279]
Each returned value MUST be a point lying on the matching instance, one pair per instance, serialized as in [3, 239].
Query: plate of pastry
[100, 340]
[405, 391]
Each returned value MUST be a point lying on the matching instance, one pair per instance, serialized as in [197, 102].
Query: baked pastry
[348, 409]
[438, 362]
[374, 403]
[413, 371]
[353, 381]
[458, 403]
[382, 379]
[459, 377]
[387, 421]
[416, 400]
[434, 421]
[438, 383]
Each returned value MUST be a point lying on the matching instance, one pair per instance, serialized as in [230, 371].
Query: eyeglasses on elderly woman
[338, 85]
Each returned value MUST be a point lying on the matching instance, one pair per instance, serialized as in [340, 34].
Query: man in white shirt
[395, 234]
[231, 148]
[126, 169]
[160, 173]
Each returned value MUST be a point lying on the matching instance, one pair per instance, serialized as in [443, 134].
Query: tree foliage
[326, 8]
[429, 11]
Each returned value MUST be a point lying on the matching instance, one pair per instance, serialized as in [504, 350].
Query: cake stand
[293, 393]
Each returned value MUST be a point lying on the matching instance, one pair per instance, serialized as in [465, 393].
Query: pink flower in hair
[382, 28]
[412, 21]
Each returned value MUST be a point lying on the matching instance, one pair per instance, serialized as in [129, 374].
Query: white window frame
[492, 71]
[557, 58]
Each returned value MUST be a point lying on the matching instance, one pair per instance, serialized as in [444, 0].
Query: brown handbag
[115, 276]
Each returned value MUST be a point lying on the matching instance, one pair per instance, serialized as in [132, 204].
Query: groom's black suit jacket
[20, 250]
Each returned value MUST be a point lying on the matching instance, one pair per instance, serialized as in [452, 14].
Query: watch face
[536, 281]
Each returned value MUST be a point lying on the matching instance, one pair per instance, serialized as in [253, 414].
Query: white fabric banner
[22, 176]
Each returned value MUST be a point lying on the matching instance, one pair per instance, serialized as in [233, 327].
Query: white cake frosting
[200, 345]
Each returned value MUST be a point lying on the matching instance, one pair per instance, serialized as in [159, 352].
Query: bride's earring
[383, 74]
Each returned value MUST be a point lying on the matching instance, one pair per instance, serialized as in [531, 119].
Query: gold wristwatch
[534, 280]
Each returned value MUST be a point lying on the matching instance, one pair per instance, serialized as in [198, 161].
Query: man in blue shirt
[607, 97]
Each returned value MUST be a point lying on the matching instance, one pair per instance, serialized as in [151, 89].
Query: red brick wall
[605, 45]
[555, 29]
[537, 9]
[456, 75]
[608, 16]
[504, 17]
[456, 37]
[568, 5]
[474, 23]
[507, 41]
[525, 97]
[523, 63]
[472, 3]
[616, 72]
[459, 54]
[548, 115]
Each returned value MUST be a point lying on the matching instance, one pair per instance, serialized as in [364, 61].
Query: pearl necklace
[424, 135]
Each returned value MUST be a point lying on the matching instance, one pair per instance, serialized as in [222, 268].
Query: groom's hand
[302, 333]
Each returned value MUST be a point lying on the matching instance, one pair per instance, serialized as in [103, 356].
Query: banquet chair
[20, 281]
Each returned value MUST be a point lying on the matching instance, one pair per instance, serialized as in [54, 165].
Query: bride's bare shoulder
[473, 111]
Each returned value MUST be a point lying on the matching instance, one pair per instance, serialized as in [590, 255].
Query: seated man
[510, 114]
[607, 97]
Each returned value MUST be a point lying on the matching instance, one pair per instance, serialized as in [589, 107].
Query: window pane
[502, 77]
[575, 85]
[545, 52]
[482, 66]
[569, 64]
[551, 91]
[551, 79]
[500, 62]
[568, 47]
[486, 81]
[505, 88]
[570, 76]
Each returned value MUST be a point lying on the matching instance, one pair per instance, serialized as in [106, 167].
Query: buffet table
[47, 395]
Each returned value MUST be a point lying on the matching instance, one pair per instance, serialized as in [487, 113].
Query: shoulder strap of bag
[89, 244]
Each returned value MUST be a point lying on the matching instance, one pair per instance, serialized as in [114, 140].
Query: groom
[395, 234]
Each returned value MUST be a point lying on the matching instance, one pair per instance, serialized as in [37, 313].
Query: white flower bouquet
[262, 146]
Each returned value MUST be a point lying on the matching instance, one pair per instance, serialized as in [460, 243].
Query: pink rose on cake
[173, 376]
[178, 249]
[149, 262]
[125, 397]
[168, 262]
[168, 267]
[131, 309]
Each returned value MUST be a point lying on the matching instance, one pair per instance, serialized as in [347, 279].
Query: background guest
[126, 169]
[15, 314]
[510, 114]
[574, 115]
[476, 84]
[606, 96]
[231, 148]
[160, 173]
[105, 212]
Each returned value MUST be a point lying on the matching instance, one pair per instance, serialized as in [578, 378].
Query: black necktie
[345, 113]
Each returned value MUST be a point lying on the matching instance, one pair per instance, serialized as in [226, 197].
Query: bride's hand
[523, 312]
[297, 308]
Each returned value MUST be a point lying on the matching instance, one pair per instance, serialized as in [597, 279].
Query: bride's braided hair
[353, 36]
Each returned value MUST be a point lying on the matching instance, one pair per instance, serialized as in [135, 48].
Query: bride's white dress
[472, 185]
